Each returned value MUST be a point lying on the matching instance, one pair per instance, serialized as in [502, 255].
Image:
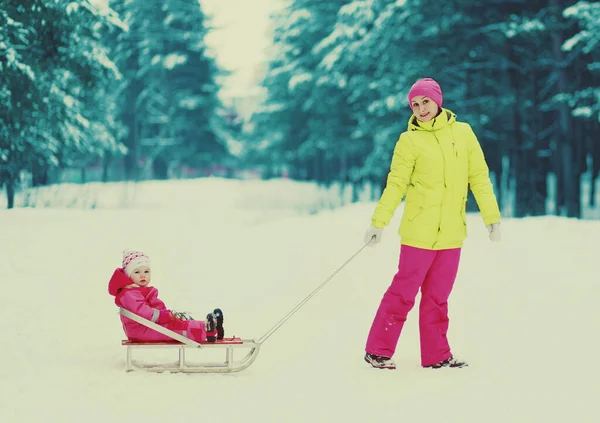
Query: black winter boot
[219, 316]
[211, 331]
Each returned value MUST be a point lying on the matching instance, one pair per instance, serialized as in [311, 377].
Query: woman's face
[424, 108]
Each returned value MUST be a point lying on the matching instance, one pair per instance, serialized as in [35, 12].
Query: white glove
[494, 230]
[373, 235]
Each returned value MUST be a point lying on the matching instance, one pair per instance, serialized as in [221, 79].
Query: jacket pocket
[412, 210]
[415, 213]
[413, 207]
[414, 204]
[463, 216]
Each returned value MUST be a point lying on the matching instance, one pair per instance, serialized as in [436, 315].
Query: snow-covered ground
[524, 312]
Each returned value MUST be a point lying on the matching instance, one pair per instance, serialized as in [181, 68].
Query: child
[130, 285]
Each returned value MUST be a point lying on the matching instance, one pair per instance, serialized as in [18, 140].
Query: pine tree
[584, 101]
[170, 103]
[481, 54]
[54, 72]
[303, 125]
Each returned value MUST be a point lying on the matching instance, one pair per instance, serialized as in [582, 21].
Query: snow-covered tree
[302, 119]
[481, 53]
[54, 74]
[584, 102]
[169, 103]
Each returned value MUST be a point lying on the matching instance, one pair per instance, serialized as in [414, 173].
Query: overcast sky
[242, 36]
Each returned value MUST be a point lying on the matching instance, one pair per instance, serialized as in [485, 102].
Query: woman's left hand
[494, 232]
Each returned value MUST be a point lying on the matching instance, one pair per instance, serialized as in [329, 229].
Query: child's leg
[398, 300]
[433, 310]
[201, 331]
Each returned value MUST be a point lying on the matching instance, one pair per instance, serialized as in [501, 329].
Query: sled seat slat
[224, 341]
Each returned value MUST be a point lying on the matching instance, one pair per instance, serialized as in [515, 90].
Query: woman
[434, 163]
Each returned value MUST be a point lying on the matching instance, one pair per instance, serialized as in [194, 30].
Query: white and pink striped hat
[133, 259]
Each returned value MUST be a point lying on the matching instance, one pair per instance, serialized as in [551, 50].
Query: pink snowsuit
[145, 302]
[433, 272]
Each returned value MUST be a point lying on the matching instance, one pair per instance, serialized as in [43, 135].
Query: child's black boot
[218, 313]
[211, 327]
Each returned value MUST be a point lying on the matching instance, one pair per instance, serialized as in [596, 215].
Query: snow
[72, 7]
[173, 59]
[190, 103]
[583, 111]
[295, 19]
[299, 79]
[13, 58]
[519, 25]
[569, 44]
[523, 312]
[331, 59]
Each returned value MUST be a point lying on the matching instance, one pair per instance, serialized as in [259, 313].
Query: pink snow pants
[434, 272]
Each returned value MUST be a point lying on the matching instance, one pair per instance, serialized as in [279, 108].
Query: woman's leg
[433, 309]
[398, 300]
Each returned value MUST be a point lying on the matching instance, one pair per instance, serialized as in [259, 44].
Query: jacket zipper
[445, 184]
[443, 156]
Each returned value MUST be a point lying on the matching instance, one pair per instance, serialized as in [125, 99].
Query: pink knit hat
[133, 259]
[426, 87]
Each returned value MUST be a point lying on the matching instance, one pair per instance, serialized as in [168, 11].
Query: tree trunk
[131, 119]
[105, 165]
[539, 164]
[356, 186]
[592, 197]
[316, 167]
[132, 159]
[39, 175]
[517, 159]
[160, 168]
[595, 152]
[10, 193]
[569, 179]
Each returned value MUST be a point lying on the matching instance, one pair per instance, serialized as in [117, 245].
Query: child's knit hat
[426, 87]
[133, 259]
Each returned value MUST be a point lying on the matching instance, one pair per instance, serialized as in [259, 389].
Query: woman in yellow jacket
[434, 163]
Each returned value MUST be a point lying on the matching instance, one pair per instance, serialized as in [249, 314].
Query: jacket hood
[447, 117]
[118, 280]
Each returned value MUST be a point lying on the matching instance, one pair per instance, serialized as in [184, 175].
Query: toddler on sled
[130, 285]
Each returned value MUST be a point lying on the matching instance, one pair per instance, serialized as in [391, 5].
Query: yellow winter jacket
[434, 163]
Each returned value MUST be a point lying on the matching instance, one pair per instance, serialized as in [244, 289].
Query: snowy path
[524, 314]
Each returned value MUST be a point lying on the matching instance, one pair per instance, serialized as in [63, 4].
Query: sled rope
[305, 300]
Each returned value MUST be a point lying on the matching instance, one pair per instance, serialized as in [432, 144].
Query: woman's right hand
[373, 235]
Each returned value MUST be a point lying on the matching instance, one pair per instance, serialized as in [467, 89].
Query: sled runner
[182, 343]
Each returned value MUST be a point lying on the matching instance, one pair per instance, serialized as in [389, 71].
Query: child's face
[141, 276]
[424, 108]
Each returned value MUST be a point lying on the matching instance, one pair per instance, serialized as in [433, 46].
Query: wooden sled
[182, 343]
